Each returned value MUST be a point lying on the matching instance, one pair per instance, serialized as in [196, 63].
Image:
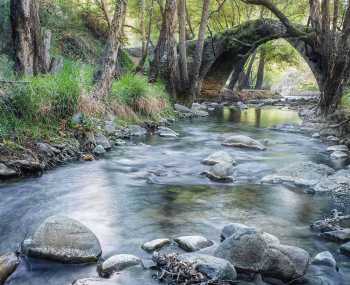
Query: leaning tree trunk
[261, 70]
[164, 64]
[107, 66]
[182, 45]
[198, 54]
[31, 46]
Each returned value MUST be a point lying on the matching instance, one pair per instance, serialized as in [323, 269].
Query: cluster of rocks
[330, 229]
[197, 110]
[222, 163]
[244, 253]
[311, 177]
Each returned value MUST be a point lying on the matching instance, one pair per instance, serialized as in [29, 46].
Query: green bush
[48, 97]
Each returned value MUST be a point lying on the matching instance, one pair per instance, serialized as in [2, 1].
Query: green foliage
[40, 108]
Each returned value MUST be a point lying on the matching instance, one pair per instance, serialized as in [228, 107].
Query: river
[153, 189]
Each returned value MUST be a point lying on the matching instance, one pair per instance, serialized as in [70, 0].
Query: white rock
[244, 142]
[217, 157]
[118, 263]
[155, 244]
[193, 243]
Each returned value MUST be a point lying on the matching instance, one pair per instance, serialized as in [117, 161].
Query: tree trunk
[247, 78]
[198, 54]
[235, 76]
[148, 42]
[261, 70]
[142, 24]
[182, 44]
[105, 73]
[31, 51]
[165, 60]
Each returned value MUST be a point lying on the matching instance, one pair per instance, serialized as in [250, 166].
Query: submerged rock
[63, 239]
[155, 244]
[213, 267]
[221, 172]
[305, 174]
[118, 263]
[339, 182]
[219, 157]
[8, 264]
[244, 142]
[167, 132]
[193, 243]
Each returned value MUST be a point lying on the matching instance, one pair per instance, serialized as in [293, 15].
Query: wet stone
[155, 244]
[342, 235]
[193, 243]
[118, 263]
[243, 142]
[345, 249]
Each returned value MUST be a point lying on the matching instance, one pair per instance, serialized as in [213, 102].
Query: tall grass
[133, 99]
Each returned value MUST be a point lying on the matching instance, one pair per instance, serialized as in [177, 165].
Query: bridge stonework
[231, 49]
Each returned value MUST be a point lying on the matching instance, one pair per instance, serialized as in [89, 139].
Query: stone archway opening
[285, 72]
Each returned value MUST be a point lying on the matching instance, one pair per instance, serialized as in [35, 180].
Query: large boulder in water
[8, 264]
[213, 267]
[63, 239]
[221, 172]
[217, 157]
[249, 251]
[305, 174]
[243, 142]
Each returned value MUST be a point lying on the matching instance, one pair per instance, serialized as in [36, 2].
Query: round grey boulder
[285, 262]
[118, 263]
[213, 267]
[8, 264]
[243, 142]
[219, 157]
[193, 243]
[63, 239]
[244, 249]
[221, 172]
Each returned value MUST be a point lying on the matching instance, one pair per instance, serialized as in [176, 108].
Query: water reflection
[259, 117]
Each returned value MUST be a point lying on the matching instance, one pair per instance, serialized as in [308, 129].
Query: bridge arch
[231, 49]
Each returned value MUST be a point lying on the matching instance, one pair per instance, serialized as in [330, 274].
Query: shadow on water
[155, 190]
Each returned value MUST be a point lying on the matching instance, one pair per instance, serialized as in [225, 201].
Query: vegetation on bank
[42, 107]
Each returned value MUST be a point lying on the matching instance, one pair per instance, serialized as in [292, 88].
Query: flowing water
[153, 189]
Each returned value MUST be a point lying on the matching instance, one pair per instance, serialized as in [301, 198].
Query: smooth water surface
[153, 189]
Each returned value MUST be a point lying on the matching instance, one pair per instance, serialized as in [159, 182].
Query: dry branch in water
[173, 271]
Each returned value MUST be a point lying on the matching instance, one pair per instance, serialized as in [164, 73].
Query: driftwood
[330, 223]
[173, 271]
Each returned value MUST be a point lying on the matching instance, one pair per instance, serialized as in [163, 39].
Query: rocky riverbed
[197, 192]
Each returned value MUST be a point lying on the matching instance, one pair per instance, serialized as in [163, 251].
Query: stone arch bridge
[230, 50]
